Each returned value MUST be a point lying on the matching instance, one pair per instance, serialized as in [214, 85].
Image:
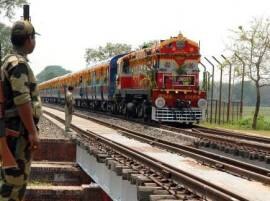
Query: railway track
[207, 158]
[237, 144]
[255, 143]
[198, 185]
[253, 138]
[252, 149]
[220, 132]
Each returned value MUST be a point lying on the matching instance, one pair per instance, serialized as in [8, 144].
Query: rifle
[26, 12]
[8, 159]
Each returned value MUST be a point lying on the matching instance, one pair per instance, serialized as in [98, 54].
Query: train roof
[72, 78]
[75, 78]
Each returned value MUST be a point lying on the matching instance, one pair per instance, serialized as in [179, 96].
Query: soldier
[22, 110]
[69, 109]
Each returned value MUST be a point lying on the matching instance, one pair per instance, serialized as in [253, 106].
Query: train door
[112, 74]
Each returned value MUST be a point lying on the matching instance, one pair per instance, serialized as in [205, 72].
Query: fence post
[242, 85]
[216, 105]
[232, 110]
[205, 85]
[220, 89]
[237, 112]
[204, 81]
[212, 89]
[230, 79]
[224, 105]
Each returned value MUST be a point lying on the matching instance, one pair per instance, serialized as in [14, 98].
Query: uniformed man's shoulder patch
[13, 60]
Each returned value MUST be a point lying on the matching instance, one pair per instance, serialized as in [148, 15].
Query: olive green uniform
[20, 87]
[68, 109]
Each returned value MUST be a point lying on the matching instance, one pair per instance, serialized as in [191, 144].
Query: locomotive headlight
[160, 102]
[202, 103]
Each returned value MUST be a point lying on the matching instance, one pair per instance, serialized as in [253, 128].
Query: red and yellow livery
[159, 83]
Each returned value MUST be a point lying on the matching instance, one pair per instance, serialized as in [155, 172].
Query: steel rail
[232, 134]
[253, 142]
[220, 162]
[201, 131]
[198, 185]
[228, 139]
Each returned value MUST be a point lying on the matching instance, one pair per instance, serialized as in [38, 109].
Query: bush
[262, 124]
[267, 125]
[245, 123]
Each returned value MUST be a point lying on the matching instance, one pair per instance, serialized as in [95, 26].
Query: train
[159, 83]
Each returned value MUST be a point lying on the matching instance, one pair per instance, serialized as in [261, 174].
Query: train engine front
[177, 96]
[163, 80]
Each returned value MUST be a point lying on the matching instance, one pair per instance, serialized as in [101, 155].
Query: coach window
[89, 80]
[94, 77]
[106, 76]
[126, 68]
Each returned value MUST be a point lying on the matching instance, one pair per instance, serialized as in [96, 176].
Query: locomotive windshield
[171, 66]
[188, 68]
[167, 65]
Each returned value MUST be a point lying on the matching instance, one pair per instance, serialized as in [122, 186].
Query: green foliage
[248, 111]
[7, 9]
[252, 45]
[262, 124]
[249, 93]
[7, 6]
[245, 123]
[148, 44]
[108, 51]
[51, 72]
[111, 49]
[5, 39]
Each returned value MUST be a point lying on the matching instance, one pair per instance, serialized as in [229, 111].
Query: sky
[68, 27]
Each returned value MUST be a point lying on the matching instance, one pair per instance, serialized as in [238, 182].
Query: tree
[7, 6]
[252, 45]
[51, 72]
[4, 39]
[108, 51]
[148, 44]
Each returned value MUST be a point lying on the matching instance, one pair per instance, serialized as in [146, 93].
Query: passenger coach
[159, 83]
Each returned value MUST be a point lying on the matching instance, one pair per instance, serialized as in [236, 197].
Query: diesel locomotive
[160, 83]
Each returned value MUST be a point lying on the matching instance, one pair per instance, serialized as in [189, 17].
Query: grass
[244, 125]
[249, 111]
